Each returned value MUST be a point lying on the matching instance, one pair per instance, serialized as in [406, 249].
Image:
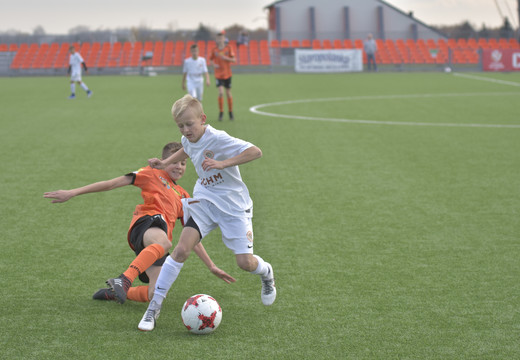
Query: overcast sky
[58, 16]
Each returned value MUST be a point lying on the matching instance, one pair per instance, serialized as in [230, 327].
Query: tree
[39, 31]
[484, 32]
[203, 33]
[506, 31]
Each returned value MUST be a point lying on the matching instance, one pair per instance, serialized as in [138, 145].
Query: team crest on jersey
[165, 182]
[209, 154]
[168, 186]
[249, 236]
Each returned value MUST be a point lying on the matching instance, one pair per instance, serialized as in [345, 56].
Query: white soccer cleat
[268, 288]
[147, 323]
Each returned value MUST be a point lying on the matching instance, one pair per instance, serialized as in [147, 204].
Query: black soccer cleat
[120, 286]
[220, 116]
[231, 117]
[104, 294]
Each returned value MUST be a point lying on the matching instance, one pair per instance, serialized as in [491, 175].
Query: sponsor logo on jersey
[209, 154]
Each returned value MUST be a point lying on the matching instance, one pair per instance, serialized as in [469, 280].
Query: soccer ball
[201, 314]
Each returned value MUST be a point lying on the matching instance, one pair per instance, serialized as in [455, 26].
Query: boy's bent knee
[246, 262]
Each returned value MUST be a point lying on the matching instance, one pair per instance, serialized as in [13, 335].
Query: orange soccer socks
[138, 293]
[144, 260]
[221, 104]
[230, 103]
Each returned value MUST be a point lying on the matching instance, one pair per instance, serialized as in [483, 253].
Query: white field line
[255, 109]
[482, 78]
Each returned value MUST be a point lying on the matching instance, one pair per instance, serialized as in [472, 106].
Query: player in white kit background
[75, 64]
[194, 71]
[220, 199]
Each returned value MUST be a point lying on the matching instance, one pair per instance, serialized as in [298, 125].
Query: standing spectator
[370, 48]
[243, 38]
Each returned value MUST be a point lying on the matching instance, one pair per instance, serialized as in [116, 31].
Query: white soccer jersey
[75, 61]
[195, 69]
[224, 188]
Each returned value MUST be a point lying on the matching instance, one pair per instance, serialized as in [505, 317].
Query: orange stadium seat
[295, 43]
[202, 48]
[243, 55]
[168, 53]
[265, 57]
[316, 44]
[327, 44]
[347, 44]
[337, 44]
[254, 55]
[158, 50]
[275, 43]
[93, 57]
[284, 44]
[306, 43]
[4, 47]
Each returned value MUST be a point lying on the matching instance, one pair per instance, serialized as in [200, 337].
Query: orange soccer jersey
[161, 195]
[223, 68]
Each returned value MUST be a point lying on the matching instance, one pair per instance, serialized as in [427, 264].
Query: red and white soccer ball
[201, 314]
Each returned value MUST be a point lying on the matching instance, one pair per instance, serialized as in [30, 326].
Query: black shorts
[224, 82]
[140, 227]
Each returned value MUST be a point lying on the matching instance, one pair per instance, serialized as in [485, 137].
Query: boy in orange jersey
[221, 58]
[150, 232]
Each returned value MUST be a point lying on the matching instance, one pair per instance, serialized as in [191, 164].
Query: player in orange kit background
[221, 57]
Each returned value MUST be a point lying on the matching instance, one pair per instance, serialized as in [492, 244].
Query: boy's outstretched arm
[247, 155]
[203, 255]
[60, 196]
[179, 155]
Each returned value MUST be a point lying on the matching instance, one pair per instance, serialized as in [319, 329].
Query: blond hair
[184, 103]
[170, 149]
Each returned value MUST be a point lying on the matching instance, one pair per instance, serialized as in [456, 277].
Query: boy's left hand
[222, 274]
[209, 164]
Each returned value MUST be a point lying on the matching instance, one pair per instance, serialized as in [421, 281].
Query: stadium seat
[178, 55]
[295, 44]
[135, 59]
[40, 56]
[158, 50]
[306, 43]
[30, 56]
[243, 55]
[265, 57]
[316, 44]
[327, 44]
[51, 56]
[347, 44]
[254, 54]
[168, 53]
[4, 47]
[275, 43]
[337, 44]
[13, 47]
[93, 57]
[202, 48]
[284, 44]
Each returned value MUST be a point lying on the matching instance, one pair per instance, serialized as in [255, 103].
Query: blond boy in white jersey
[75, 64]
[220, 199]
[194, 71]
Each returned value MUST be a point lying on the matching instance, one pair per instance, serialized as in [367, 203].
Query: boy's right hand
[59, 196]
[155, 163]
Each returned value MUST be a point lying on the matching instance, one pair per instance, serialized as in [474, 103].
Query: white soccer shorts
[76, 76]
[237, 231]
[196, 90]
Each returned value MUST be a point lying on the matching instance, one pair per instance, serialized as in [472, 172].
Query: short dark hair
[170, 149]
